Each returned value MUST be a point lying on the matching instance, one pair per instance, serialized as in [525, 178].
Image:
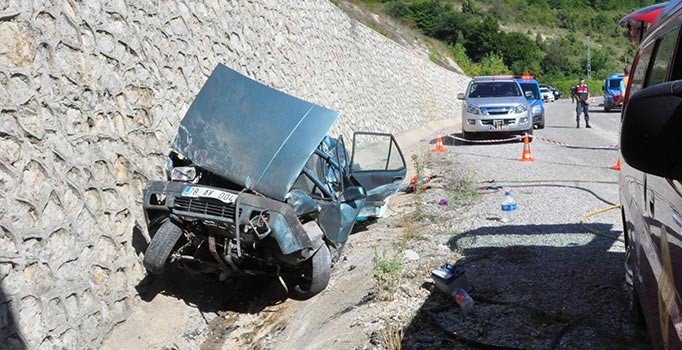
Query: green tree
[519, 52]
[492, 64]
[482, 38]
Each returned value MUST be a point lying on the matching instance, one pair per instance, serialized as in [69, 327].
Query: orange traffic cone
[439, 144]
[525, 155]
[616, 166]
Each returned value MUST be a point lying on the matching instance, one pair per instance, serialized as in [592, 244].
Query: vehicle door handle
[652, 207]
[396, 178]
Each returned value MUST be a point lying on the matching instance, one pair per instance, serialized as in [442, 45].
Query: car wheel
[633, 297]
[541, 125]
[315, 277]
[159, 250]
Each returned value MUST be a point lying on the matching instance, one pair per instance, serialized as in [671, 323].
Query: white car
[547, 94]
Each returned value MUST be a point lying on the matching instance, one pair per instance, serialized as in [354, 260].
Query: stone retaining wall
[91, 93]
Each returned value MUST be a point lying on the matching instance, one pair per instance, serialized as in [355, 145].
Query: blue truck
[614, 92]
[528, 83]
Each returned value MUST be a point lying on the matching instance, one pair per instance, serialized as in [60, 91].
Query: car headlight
[471, 121]
[521, 108]
[537, 110]
[183, 173]
[473, 109]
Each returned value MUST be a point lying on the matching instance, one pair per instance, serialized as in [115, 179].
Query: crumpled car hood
[251, 134]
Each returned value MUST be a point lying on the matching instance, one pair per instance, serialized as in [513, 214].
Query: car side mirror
[352, 194]
[460, 96]
[650, 137]
[528, 94]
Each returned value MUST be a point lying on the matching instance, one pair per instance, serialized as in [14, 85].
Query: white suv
[495, 104]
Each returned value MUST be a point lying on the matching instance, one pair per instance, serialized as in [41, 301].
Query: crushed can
[450, 278]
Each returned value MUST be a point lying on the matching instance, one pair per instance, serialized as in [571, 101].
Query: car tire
[541, 124]
[160, 248]
[315, 275]
[633, 296]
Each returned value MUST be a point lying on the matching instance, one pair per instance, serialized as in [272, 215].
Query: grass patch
[386, 273]
[461, 189]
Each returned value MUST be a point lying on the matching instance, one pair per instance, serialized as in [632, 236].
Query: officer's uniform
[582, 91]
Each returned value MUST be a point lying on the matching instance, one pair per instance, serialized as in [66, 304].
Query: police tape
[539, 138]
[568, 145]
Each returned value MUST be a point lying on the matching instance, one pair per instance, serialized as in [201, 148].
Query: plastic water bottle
[508, 207]
[465, 302]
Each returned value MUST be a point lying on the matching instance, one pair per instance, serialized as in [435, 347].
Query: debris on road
[464, 300]
[424, 183]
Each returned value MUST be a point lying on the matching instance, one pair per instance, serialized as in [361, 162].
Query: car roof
[493, 78]
[527, 81]
[670, 12]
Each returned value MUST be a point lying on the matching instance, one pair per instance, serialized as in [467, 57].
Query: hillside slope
[548, 38]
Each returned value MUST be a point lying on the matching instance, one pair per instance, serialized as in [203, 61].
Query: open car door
[378, 165]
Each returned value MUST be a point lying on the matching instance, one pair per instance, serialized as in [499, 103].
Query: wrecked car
[255, 186]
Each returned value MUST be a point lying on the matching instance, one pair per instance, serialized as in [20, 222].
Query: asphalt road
[546, 260]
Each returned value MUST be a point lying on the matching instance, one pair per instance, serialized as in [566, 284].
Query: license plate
[205, 192]
[498, 123]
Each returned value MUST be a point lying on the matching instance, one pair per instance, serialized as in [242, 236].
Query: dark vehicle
[551, 88]
[614, 92]
[255, 187]
[537, 108]
[651, 180]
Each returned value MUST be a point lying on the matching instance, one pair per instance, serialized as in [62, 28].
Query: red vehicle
[651, 179]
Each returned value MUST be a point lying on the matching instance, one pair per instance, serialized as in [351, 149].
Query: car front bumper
[162, 199]
[496, 123]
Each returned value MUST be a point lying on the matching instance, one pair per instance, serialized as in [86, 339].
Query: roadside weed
[461, 189]
[386, 273]
[392, 337]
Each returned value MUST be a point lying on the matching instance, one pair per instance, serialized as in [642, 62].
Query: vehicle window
[640, 70]
[395, 160]
[376, 152]
[614, 83]
[665, 47]
[494, 89]
[532, 88]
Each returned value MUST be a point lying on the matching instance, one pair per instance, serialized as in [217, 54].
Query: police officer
[582, 95]
[572, 94]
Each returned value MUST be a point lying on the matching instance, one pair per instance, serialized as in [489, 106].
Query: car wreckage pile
[254, 186]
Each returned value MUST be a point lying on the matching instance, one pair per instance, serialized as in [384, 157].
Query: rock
[411, 255]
